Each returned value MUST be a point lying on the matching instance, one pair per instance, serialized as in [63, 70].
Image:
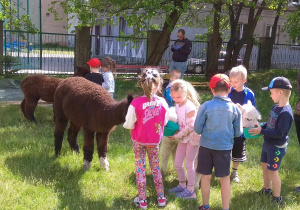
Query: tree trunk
[248, 55]
[273, 37]
[1, 45]
[247, 34]
[215, 43]
[233, 39]
[164, 40]
[83, 46]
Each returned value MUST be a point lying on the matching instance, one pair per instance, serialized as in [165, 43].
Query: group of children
[106, 79]
[213, 131]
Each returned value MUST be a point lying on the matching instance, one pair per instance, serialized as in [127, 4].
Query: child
[169, 147]
[239, 94]
[275, 133]
[146, 117]
[109, 65]
[218, 121]
[94, 75]
[186, 99]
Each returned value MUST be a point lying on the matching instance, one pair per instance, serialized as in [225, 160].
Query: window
[122, 26]
[240, 30]
[108, 28]
[269, 32]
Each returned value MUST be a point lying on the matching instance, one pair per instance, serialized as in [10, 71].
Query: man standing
[181, 50]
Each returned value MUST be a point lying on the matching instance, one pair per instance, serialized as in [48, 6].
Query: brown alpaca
[91, 107]
[39, 86]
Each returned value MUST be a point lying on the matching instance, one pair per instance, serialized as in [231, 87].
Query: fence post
[1, 45]
[82, 46]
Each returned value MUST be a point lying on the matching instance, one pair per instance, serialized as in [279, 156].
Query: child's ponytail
[149, 81]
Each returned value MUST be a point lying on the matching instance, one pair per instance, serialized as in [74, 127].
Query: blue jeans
[181, 66]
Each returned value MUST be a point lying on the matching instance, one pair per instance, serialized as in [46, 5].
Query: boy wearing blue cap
[275, 133]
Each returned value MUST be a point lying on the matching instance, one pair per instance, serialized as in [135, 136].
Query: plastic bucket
[248, 135]
[170, 129]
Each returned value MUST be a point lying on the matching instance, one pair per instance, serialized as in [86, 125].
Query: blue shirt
[168, 97]
[218, 121]
[277, 128]
[249, 95]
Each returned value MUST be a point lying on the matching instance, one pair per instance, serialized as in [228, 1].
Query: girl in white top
[187, 104]
[108, 67]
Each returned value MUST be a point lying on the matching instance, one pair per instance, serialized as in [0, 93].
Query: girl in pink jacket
[187, 104]
[146, 117]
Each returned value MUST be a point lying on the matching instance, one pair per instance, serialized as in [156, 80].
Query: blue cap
[280, 83]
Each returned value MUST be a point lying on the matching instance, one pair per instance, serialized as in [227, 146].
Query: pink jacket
[147, 120]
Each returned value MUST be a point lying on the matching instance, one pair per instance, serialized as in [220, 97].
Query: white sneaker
[162, 201]
[142, 204]
[234, 177]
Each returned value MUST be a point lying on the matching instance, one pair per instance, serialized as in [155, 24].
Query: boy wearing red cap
[218, 121]
[94, 75]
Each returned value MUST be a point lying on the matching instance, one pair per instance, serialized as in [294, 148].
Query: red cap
[94, 62]
[219, 77]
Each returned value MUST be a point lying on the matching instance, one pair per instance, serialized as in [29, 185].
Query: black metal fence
[52, 53]
[47, 53]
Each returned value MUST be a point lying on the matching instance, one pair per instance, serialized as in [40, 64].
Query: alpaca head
[81, 71]
[250, 115]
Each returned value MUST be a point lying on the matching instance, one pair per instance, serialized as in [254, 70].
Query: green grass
[31, 177]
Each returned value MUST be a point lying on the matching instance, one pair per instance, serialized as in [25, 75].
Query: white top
[109, 81]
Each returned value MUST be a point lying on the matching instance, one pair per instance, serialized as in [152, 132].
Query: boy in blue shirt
[239, 94]
[275, 133]
[218, 121]
[169, 147]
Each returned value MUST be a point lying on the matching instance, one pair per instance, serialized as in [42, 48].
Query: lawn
[32, 177]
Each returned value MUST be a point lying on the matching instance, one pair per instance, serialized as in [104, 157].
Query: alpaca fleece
[87, 105]
[39, 86]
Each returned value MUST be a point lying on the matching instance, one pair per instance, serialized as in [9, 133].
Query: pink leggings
[188, 152]
[140, 165]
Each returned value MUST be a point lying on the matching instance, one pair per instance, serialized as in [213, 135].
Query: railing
[285, 56]
[52, 53]
[47, 53]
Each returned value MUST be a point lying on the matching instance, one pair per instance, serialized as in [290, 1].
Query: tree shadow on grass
[65, 180]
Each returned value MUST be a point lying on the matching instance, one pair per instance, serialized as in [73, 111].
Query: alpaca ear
[129, 98]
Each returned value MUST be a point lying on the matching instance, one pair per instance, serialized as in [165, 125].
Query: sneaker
[176, 189]
[234, 177]
[186, 194]
[142, 204]
[278, 201]
[264, 192]
[202, 208]
[162, 201]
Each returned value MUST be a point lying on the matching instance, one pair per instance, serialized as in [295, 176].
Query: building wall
[49, 25]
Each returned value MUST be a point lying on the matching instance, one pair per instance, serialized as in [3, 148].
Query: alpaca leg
[102, 145]
[23, 107]
[88, 149]
[30, 105]
[60, 127]
[72, 137]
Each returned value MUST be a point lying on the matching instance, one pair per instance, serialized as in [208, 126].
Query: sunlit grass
[31, 177]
